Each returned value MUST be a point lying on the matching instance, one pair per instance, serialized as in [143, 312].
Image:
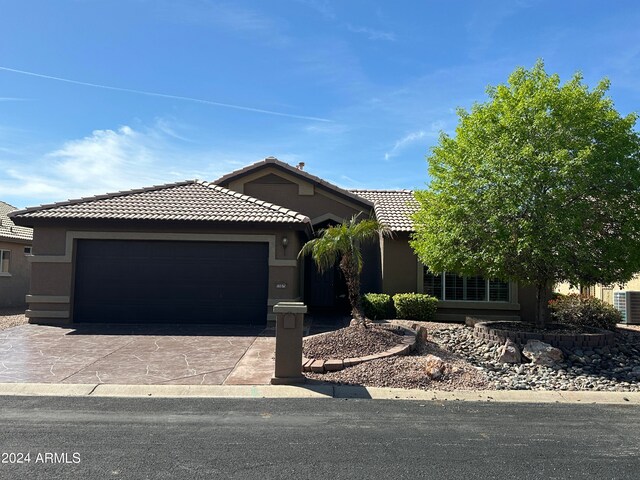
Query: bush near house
[378, 306]
[584, 311]
[415, 306]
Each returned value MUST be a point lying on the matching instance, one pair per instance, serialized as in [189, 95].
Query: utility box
[289, 329]
[627, 302]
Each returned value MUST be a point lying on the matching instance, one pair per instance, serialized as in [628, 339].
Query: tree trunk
[542, 304]
[352, 277]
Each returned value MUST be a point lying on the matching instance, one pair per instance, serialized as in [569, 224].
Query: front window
[4, 261]
[449, 286]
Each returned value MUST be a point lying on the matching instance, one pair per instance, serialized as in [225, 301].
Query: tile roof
[192, 200]
[293, 171]
[393, 208]
[8, 229]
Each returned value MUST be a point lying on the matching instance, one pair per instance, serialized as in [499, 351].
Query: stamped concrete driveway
[200, 355]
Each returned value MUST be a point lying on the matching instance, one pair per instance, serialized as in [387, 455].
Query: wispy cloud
[111, 160]
[403, 142]
[371, 33]
[14, 99]
[163, 95]
[413, 137]
[107, 158]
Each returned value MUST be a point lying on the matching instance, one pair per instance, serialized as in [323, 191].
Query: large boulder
[542, 353]
[434, 367]
[509, 352]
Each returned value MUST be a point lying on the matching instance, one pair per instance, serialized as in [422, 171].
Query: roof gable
[295, 172]
[192, 200]
[8, 229]
[393, 208]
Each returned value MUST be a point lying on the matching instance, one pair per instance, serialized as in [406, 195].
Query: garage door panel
[171, 282]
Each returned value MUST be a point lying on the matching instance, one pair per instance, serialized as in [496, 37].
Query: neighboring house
[603, 292]
[15, 247]
[226, 252]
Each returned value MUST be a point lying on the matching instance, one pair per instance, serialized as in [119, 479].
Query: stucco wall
[15, 285]
[399, 265]
[401, 274]
[51, 292]
[286, 195]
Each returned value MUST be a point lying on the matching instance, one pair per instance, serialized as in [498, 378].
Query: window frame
[487, 289]
[28, 250]
[7, 272]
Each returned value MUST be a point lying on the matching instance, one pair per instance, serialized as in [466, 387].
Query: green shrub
[415, 306]
[378, 306]
[584, 311]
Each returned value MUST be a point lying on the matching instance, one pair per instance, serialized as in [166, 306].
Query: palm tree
[342, 243]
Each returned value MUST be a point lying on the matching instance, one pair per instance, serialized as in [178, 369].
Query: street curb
[317, 391]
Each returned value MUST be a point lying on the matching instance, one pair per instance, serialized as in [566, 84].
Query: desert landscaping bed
[356, 344]
[354, 341]
[471, 363]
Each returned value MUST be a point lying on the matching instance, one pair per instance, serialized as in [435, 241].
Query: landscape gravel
[352, 341]
[472, 364]
[614, 368]
[409, 372]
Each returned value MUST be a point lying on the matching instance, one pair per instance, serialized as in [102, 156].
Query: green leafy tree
[341, 243]
[539, 185]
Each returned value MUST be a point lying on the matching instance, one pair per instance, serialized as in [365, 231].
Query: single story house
[227, 251]
[15, 247]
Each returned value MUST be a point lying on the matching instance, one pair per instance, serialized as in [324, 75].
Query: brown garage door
[123, 281]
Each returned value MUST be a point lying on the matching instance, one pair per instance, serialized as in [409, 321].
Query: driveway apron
[199, 355]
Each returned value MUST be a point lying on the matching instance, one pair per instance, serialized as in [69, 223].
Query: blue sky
[358, 90]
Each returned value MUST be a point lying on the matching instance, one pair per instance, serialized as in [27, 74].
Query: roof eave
[75, 201]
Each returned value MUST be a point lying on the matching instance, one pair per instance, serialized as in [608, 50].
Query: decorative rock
[471, 321]
[421, 333]
[509, 353]
[576, 373]
[435, 366]
[541, 353]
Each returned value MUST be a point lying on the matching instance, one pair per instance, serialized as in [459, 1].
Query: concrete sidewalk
[314, 391]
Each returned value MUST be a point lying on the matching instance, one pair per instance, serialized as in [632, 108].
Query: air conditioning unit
[628, 304]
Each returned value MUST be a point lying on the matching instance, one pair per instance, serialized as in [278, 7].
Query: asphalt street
[187, 438]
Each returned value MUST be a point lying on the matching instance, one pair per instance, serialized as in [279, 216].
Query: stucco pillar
[289, 324]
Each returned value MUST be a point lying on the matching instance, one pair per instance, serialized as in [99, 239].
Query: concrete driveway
[193, 355]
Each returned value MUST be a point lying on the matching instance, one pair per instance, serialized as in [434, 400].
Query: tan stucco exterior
[402, 273]
[399, 265]
[391, 266]
[14, 285]
[51, 295]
